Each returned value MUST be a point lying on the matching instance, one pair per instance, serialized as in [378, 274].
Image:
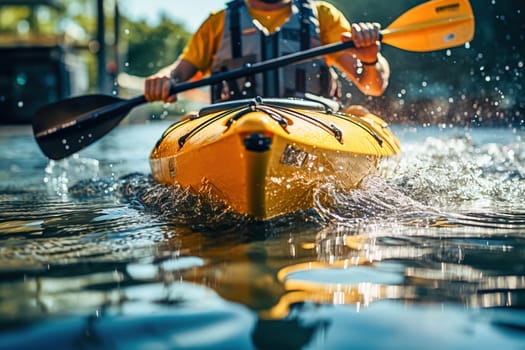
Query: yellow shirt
[206, 41]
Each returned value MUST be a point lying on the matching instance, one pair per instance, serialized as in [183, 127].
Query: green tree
[151, 48]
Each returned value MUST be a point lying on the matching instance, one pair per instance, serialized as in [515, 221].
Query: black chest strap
[304, 13]
[235, 27]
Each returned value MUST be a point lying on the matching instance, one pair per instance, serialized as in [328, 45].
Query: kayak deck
[264, 158]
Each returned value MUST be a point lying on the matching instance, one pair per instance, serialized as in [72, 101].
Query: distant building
[37, 66]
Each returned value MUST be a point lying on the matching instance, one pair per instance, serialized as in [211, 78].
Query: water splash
[439, 181]
[448, 181]
[375, 200]
[174, 203]
[61, 174]
[457, 173]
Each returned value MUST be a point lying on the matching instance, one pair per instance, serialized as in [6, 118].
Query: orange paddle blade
[433, 25]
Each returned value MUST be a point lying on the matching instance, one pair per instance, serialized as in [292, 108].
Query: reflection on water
[96, 255]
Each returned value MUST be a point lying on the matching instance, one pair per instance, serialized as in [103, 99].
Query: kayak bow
[264, 158]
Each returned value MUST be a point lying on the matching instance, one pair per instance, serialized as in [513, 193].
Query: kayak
[265, 157]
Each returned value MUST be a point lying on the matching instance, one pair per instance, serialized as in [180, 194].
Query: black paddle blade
[65, 127]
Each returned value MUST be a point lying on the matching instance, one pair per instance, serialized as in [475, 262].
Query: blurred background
[54, 49]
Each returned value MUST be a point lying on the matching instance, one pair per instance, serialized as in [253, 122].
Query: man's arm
[364, 64]
[359, 64]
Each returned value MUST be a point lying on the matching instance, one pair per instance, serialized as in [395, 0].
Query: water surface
[94, 254]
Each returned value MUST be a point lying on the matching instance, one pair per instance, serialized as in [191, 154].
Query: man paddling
[250, 31]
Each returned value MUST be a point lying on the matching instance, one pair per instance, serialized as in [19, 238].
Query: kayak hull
[267, 159]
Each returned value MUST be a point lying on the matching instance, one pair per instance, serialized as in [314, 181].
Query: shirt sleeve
[332, 23]
[205, 42]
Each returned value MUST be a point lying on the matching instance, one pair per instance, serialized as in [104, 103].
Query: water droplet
[21, 79]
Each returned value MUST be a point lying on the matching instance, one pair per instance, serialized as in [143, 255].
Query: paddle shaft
[260, 67]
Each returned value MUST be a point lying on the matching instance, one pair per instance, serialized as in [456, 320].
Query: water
[94, 254]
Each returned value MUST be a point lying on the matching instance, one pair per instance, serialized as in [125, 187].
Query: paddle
[65, 127]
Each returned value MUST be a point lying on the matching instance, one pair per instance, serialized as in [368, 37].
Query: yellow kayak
[265, 157]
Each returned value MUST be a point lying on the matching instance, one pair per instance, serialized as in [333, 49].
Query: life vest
[245, 41]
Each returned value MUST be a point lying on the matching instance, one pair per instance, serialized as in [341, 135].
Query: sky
[191, 13]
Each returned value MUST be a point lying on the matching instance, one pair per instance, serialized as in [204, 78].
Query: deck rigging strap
[276, 109]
